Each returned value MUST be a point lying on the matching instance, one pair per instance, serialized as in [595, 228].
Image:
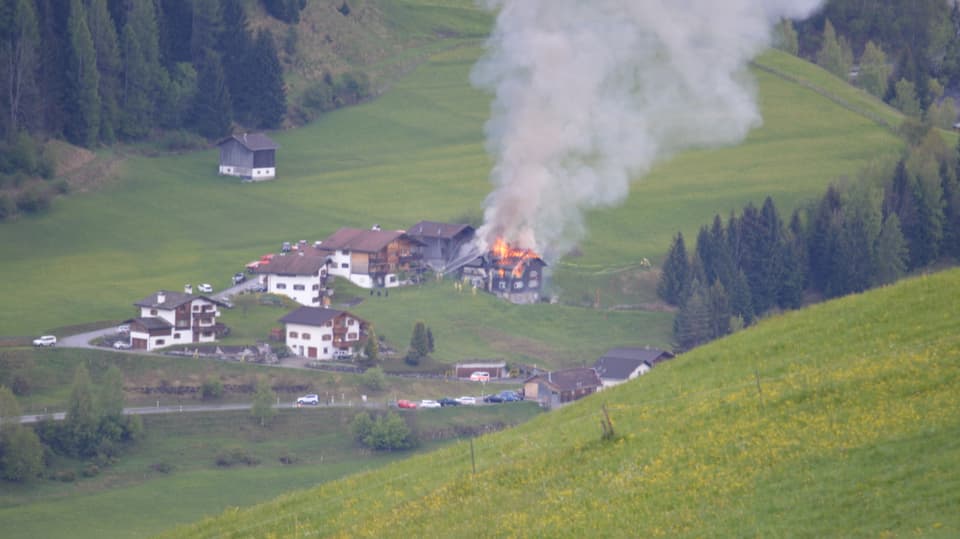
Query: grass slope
[415, 153]
[839, 420]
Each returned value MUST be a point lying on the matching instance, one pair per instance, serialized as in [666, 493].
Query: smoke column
[589, 94]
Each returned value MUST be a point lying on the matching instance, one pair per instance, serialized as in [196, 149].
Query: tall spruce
[175, 26]
[236, 46]
[143, 83]
[675, 275]
[207, 28]
[212, 115]
[104, 35]
[892, 252]
[52, 84]
[267, 87]
[822, 237]
[794, 265]
[835, 54]
[19, 53]
[874, 76]
[720, 312]
[926, 192]
[83, 80]
[692, 325]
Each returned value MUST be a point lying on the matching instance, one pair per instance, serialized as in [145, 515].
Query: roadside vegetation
[782, 429]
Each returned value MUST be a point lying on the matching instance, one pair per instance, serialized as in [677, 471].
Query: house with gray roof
[300, 277]
[320, 333]
[556, 388]
[618, 365]
[371, 258]
[169, 318]
[251, 156]
[441, 242]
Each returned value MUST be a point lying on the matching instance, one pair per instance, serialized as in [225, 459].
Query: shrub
[374, 379]
[66, 476]
[236, 455]
[162, 467]
[288, 458]
[8, 208]
[61, 186]
[212, 388]
[91, 470]
[34, 199]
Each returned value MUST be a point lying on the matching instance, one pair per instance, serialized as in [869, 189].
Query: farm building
[516, 279]
[251, 156]
[618, 365]
[319, 333]
[441, 241]
[371, 258]
[556, 388]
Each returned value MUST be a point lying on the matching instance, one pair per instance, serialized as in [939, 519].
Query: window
[281, 286]
[316, 299]
[502, 285]
[292, 334]
[315, 287]
[344, 265]
[326, 337]
[160, 342]
[393, 278]
[518, 285]
[176, 335]
[533, 273]
[328, 323]
[207, 333]
[305, 336]
[345, 251]
[196, 308]
[533, 283]
[351, 321]
[351, 336]
[299, 287]
[153, 312]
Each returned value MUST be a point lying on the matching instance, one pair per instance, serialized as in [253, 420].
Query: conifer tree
[263, 399]
[212, 115]
[835, 54]
[105, 43]
[83, 80]
[82, 417]
[236, 48]
[19, 51]
[267, 90]
[874, 73]
[692, 325]
[891, 252]
[675, 275]
[143, 84]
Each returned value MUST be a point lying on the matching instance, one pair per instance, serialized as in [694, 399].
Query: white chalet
[319, 333]
[168, 318]
[301, 278]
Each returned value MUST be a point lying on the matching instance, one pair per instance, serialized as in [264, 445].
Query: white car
[429, 404]
[205, 288]
[123, 328]
[308, 399]
[466, 400]
[121, 345]
[480, 376]
[45, 340]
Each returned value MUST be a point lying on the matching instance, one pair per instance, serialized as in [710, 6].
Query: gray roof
[570, 379]
[433, 229]
[153, 323]
[252, 141]
[619, 363]
[172, 300]
[362, 240]
[313, 316]
[293, 264]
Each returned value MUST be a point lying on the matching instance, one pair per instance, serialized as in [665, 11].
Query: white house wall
[341, 264]
[286, 285]
[320, 338]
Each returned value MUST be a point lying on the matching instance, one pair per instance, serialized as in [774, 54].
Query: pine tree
[267, 90]
[105, 43]
[794, 266]
[835, 54]
[144, 84]
[419, 344]
[206, 29]
[692, 326]
[891, 252]
[874, 73]
[786, 37]
[83, 79]
[211, 107]
[19, 52]
[263, 400]
[675, 275]
[821, 239]
[720, 313]
[371, 350]
[236, 48]
[82, 417]
[905, 98]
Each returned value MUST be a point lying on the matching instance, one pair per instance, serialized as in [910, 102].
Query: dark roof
[313, 316]
[570, 379]
[252, 141]
[172, 300]
[360, 239]
[153, 323]
[293, 264]
[648, 354]
[432, 229]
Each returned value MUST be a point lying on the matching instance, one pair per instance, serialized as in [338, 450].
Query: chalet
[556, 388]
[251, 156]
[496, 369]
[441, 241]
[618, 365]
[518, 280]
[371, 258]
[319, 333]
[168, 318]
[300, 277]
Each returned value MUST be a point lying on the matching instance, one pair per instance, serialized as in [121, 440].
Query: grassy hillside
[839, 420]
[415, 153]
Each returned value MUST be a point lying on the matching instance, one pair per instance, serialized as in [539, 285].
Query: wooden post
[473, 459]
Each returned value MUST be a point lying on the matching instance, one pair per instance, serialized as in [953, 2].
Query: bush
[181, 140]
[61, 186]
[236, 455]
[34, 199]
[288, 458]
[162, 467]
[8, 208]
[212, 388]
[91, 470]
[66, 476]
[374, 379]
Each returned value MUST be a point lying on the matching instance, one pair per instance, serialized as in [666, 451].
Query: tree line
[862, 233]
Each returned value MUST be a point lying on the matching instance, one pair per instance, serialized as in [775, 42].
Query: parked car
[205, 288]
[467, 400]
[121, 345]
[447, 401]
[45, 340]
[427, 403]
[480, 376]
[308, 399]
[403, 403]
[494, 398]
[239, 277]
[510, 396]
[123, 328]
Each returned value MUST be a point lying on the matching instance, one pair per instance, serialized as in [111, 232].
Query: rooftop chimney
[161, 297]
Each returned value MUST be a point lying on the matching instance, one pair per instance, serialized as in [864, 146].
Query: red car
[402, 403]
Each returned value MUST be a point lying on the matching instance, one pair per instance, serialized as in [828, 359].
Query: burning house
[508, 272]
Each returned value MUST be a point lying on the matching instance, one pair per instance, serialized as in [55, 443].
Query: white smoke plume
[589, 94]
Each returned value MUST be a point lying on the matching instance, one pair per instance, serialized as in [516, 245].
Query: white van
[480, 376]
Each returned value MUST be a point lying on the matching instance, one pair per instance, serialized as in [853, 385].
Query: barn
[251, 156]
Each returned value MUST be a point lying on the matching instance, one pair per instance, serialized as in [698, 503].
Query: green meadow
[414, 153]
[838, 420]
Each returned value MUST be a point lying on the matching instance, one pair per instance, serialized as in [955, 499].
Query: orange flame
[507, 255]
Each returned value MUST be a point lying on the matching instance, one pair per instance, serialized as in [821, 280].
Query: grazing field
[415, 153]
[136, 499]
[838, 420]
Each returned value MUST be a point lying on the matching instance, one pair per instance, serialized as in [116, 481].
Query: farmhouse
[559, 387]
[168, 318]
[517, 279]
[371, 258]
[441, 242]
[319, 333]
[300, 277]
[618, 365]
[251, 156]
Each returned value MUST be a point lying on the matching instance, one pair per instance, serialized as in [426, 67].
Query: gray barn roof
[252, 141]
[619, 363]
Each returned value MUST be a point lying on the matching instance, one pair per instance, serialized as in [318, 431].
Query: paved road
[187, 408]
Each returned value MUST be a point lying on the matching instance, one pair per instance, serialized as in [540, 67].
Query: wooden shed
[251, 156]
